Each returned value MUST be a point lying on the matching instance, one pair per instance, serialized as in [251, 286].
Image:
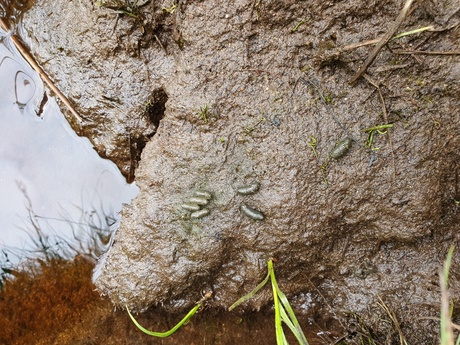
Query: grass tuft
[283, 310]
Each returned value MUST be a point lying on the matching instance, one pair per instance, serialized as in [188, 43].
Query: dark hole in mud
[156, 107]
[136, 145]
[154, 111]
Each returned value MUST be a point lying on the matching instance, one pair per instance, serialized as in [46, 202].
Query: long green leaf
[290, 313]
[280, 338]
[286, 307]
[286, 320]
[447, 336]
[251, 294]
[172, 330]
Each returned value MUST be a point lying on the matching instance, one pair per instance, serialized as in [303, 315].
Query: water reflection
[58, 196]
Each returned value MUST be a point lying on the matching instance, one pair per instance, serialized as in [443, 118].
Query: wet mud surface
[217, 96]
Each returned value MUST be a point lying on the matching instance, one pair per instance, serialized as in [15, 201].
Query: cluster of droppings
[247, 210]
[195, 203]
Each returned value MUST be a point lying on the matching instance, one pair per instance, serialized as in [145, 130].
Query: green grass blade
[280, 338]
[172, 330]
[447, 336]
[286, 307]
[285, 318]
[415, 31]
[251, 294]
[290, 314]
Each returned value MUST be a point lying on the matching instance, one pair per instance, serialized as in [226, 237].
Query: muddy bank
[259, 92]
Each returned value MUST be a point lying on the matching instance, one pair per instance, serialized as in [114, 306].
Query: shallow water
[57, 195]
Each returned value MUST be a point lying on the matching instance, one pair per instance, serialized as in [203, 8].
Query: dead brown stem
[424, 52]
[26, 55]
[388, 35]
[385, 117]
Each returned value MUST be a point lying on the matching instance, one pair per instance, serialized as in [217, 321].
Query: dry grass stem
[424, 52]
[389, 34]
[26, 55]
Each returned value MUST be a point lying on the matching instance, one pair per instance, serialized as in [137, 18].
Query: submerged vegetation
[40, 298]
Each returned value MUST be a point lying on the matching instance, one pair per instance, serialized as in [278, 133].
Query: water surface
[57, 195]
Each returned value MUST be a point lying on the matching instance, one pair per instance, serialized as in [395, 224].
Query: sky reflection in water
[51, 180]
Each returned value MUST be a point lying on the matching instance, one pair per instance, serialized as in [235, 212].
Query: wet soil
[221, 95]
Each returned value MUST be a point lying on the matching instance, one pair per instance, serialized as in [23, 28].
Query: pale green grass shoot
[176, 327]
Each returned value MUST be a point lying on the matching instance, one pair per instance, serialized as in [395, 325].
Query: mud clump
[376, 221]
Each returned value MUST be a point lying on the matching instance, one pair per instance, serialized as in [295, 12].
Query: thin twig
[377, 40]
[385, 117]
[361, 44]
[424, 52]
[388, 35]
[26, 55]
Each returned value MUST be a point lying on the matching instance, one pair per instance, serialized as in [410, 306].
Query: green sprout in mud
[411, 32]
[126, 7]
[313, 143]
[447, 326]
[283, 310]
[298, 25]
[204, 112]
[381, 129]
[171, 9]
[176, 327]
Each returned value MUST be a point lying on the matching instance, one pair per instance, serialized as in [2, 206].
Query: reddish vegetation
[40, 300]
[54, 302]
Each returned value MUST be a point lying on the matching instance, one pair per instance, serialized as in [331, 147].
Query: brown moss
[43, 298]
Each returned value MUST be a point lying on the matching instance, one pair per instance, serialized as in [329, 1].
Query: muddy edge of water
[273, 78]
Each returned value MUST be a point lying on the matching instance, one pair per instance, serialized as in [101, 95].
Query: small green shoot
[283, 310]
[312, 144]
[298, 25]
[447, 334]
[416, 31]
[204, 112]
[126, 7]
[171, 9]
[176, 327]
[327, 98]
[381, 129]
